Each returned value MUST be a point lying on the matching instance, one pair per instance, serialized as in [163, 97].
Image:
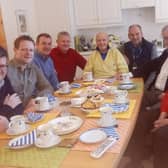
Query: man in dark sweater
[10, 103]
[138, 50]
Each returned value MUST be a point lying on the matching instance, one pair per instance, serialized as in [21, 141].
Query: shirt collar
[100, 52]
[41, 56]
[18, 65]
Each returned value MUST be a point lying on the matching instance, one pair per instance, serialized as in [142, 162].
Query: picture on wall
[21, 19]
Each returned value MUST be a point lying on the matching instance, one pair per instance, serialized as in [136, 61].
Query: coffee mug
[64, 87]
[125, 77]
[120, 96]
[18, 125]
[87, 76]
[42, 103]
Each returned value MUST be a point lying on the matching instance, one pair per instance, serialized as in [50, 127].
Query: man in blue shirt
[43, 60]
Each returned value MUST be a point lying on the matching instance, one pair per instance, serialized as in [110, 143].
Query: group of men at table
[36, 70]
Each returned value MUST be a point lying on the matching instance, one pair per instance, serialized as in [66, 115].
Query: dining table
[78, 156]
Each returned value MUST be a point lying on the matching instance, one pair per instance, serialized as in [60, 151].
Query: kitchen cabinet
[126, 4]
[161, 11]
[97, 13]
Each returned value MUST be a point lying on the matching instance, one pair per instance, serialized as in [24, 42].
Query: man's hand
[160, 123]
[12, 100]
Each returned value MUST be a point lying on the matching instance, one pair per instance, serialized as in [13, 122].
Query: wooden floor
[126, 160]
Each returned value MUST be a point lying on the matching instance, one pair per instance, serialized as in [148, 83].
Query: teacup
[45, 133]
[111, 89]
[125, 77]
[64, 87]
[120, 96]
[106, 119]
[17, 124]
[42, 103]
[18, 117]
[87, 76]
[77, 101]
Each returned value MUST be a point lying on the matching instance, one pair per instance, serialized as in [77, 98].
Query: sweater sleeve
[8, 112]
[164, 103]
[81, 61]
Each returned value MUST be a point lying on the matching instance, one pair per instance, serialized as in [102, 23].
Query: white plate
[54, 142]
[66, 124]
[23, 141]
[89, 110]
[93, 136]
[14, 132]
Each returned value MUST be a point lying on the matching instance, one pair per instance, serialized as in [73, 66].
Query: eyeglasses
[3, 66]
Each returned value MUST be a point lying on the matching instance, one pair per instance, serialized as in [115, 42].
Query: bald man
[138, 50]
[105, 62]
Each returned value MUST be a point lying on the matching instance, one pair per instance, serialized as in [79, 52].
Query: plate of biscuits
[92, 103]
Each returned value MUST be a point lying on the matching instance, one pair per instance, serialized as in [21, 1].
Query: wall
[8, 9]
[143, 16]
[53, 16]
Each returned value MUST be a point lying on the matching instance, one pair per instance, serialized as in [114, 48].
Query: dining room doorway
[2, 33]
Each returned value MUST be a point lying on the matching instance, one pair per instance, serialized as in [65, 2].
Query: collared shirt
[103, 55]
[46, 65]
[28, 82]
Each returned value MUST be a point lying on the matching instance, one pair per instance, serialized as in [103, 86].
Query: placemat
[122, 115]
[137, 89]
[47, 117]
[71, 94]
[33, 157]
[123, 127]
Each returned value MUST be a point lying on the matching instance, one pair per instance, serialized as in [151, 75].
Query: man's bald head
[102, 41]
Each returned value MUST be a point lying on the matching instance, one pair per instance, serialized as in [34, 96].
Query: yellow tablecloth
[122, 115]
[47, 117]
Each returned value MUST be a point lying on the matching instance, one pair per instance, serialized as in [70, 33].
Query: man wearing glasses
[10, 103]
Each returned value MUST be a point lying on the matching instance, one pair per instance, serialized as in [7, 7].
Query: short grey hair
[165, 28]
[135, 25]
[63, 33]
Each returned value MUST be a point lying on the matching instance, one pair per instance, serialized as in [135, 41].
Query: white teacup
[120, 96]
[45, 133]
[17, 125]
[42, 103]
[64, 87]
[77, 101]
[106, 119]
[126, 77]
[87, 76]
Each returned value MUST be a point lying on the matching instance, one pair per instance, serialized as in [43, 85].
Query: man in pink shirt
[66, 59]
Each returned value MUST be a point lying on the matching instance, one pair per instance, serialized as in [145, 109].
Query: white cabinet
[97, 13]
[126, 4]
[161, 11]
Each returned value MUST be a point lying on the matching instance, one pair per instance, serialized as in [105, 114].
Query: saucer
[63, 93]
[44, 109]
[10, 131]
[126, 86]
[56, 140]
[126, 101]
[89, 110]
[93, 136]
